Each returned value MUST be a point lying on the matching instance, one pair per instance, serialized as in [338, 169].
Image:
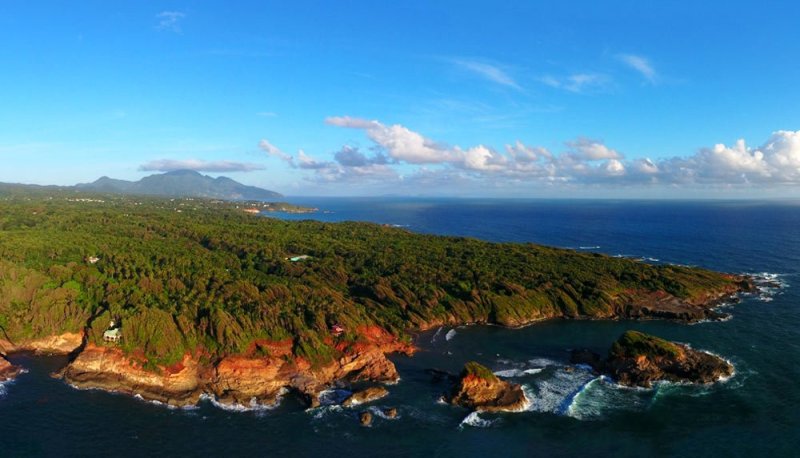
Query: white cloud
[170, 21]
[486, 71]
[170, 165]
[591, 150]
[304, 161]
[273, 150]
[577, 82]
[399, 142]
[641, 65]
[584, 161]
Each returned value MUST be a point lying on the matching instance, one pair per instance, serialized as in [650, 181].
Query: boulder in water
[365, 418]
[368, 395]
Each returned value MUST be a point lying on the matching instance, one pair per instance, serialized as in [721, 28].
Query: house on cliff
[114, 332]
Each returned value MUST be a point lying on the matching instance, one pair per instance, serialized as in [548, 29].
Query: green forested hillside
[189, 274]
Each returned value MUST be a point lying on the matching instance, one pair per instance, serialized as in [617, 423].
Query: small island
[206, 300]
[638, 359]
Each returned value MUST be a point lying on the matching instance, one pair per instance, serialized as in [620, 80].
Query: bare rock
[368, 395]
[365, 418]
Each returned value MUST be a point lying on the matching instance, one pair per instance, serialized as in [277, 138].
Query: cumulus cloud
[591, 150]
[397, 150]
[400, 143]
[486, 71]
[641, 65]
[170, 21]
[171, 165]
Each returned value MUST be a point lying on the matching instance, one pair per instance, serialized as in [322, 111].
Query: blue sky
[472, 98]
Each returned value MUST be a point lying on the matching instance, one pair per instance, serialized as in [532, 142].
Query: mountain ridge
[181, 183]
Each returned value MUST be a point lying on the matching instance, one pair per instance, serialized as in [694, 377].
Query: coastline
[248, 381]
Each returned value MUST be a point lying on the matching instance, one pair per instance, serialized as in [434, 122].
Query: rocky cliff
[237, 379]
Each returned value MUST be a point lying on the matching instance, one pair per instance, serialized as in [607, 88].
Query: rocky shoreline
[237, 379]
[249, 380]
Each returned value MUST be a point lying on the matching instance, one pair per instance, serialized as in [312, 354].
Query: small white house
[112, 335]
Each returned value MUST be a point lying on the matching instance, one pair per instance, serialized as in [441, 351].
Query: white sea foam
[474, 420]
[378, 412]
[436, 335]
[509, 373]
[543, 362]
[514, 373]
[769, 285]
[593, 247]
[722, 319]
[601, 396]
[333, 396]
[450, 334]
[252, 406]
[555, 393]
[323, 411]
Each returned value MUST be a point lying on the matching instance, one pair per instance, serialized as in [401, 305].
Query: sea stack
[479, 389]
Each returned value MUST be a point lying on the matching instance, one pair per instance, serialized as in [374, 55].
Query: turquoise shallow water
[572, 413]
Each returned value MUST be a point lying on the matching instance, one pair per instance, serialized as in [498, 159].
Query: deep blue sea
[755, 413]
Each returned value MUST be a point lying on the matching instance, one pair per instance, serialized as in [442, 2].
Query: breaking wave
[252, 406]
[769, 285]
[474, 420]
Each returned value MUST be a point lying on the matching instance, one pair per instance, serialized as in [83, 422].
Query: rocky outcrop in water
[638, 359]
[479, 389]
[8, 371]
[370, 394]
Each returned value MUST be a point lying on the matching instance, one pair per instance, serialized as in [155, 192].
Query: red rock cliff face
[108, 368]
[53, 345]
[240, 379]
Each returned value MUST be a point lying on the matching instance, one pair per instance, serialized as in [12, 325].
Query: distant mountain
[181, 183]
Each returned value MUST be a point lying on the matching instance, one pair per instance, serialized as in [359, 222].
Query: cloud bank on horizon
[585, 161]
[171, 165]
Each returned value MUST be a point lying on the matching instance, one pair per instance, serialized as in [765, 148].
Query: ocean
[572, 412]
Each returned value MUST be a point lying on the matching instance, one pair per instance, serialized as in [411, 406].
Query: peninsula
[172, 300]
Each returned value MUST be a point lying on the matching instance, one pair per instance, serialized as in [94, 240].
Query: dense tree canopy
[183, 275]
